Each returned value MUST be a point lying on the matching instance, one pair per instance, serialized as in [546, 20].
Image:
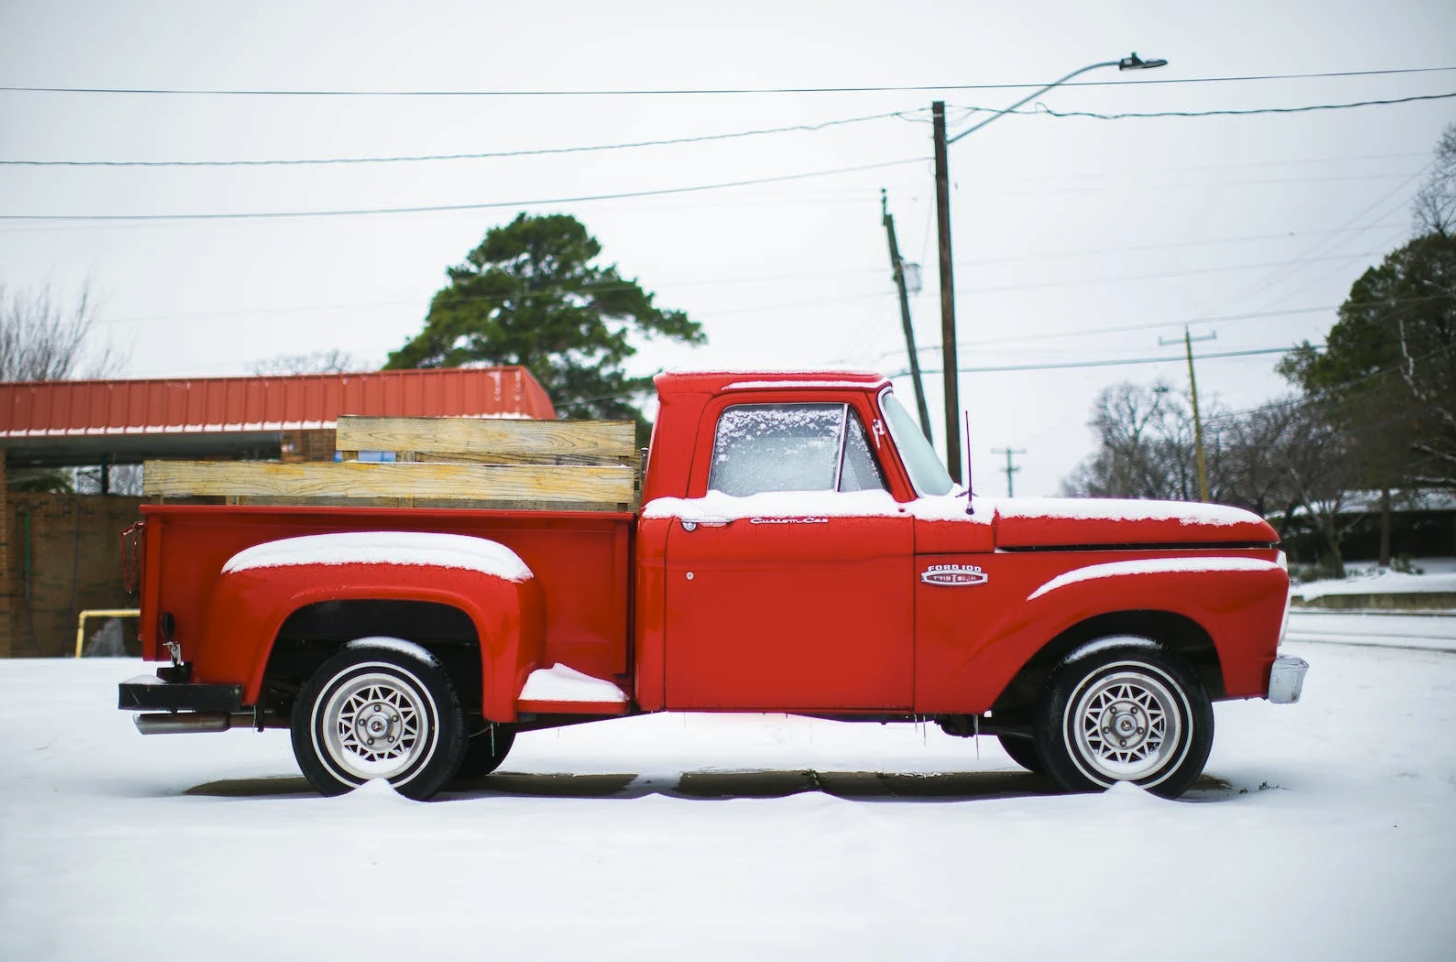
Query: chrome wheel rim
[377, 724]
[1127, 724]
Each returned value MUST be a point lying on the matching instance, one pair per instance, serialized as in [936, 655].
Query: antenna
[970, 493]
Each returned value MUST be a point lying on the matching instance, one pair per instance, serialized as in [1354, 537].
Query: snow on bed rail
[560, 683]
[1151, 566]
[386, 547]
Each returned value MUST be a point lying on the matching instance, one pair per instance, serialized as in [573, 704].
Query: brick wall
[75, 563]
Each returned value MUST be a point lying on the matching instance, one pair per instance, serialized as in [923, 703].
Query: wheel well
[313, 633]
[1178, 633]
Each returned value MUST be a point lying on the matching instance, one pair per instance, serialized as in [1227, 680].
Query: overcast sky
[1251, 227]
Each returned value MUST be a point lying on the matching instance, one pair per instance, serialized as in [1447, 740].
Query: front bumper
[1286, 679]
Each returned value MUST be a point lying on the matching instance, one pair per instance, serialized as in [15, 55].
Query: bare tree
[1146, 447]
[1435, 203]
[44, 339]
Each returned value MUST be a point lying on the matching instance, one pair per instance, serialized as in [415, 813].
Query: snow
[716, 506]
[1429, 630]
[397, 645]
[826, 385]
[1151, 566]
[1325, 830]
[560, 683]
[1381, 581]
[386, 547]
[1117, 509]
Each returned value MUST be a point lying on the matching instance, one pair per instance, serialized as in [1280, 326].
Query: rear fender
[249, 605]
[1238, 602]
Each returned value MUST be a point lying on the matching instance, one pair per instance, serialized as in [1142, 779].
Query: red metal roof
[225, 405]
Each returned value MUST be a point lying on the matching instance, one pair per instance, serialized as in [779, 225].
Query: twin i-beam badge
[954, 576]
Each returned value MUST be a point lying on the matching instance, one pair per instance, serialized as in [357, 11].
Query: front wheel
[380, 708]
[1124, 709]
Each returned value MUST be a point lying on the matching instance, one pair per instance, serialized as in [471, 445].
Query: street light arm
[1127, 63]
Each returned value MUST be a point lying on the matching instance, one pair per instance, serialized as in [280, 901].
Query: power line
[442, 208]
[697, 91]
[418, 158]
[1042, 109]
[1120, 362]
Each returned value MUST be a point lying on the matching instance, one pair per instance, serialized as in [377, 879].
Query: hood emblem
[954, 576]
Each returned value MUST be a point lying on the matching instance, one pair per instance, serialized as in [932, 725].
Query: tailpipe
[178, 723]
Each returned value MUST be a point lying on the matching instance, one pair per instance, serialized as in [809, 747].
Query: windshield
[926, 472]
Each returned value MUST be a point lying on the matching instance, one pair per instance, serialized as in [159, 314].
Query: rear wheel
[1124, 709]
[380, 708]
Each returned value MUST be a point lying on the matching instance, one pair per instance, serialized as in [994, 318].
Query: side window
[791, 447]
[860, 471]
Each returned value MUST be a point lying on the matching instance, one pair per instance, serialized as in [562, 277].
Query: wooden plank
[561, 485]
[493, 440]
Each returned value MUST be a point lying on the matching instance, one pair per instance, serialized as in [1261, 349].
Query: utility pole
[898, 267]
[1188, 340]
[947, 294]
[1010, 468]
[942, 220]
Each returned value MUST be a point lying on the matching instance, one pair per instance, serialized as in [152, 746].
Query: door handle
[691, 524]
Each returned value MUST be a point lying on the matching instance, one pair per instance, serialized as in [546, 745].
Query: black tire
[485, 750]
[1022, 752]
[380, 708]
[1124, 709]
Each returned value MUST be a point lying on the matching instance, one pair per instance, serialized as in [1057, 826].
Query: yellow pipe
[100, 613]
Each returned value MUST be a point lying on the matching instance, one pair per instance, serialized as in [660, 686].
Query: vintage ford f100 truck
[799, 548]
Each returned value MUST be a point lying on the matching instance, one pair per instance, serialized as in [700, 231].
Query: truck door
[790, 585]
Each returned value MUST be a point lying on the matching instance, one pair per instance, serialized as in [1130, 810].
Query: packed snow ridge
[560, 683]
[386, 547]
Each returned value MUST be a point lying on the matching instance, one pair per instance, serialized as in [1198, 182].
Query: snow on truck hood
[1018, 523]
[1046, 522]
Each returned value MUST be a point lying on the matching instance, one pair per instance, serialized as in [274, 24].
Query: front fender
[1239, 602]
[250, 602]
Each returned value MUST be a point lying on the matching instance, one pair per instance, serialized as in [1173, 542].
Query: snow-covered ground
[1433, 630]
[1436, 575]
[1325, 830]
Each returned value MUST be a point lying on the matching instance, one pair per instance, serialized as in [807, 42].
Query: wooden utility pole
[1010, 468]
[1188, 340]
[899, 268]
[947, 294]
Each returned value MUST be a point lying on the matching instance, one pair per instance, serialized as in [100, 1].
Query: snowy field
[1324, 830]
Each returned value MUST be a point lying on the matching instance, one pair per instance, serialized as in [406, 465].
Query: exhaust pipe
[178, 723]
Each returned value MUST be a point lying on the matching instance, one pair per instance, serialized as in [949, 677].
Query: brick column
[7, 616]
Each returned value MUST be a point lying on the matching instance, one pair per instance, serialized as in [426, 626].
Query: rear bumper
[146, 693]
[1286, 679]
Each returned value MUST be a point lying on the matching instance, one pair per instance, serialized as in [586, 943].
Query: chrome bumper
[1286, 679]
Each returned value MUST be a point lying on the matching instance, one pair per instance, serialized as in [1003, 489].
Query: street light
[942, 211]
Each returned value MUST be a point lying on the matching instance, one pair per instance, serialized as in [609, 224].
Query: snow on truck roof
[714, 381]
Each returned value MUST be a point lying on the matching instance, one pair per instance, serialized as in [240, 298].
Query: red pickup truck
[800, 549]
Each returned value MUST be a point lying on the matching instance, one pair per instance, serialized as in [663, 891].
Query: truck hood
[1056, 522]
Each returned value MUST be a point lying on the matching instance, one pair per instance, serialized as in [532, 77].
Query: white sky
[1061, 226]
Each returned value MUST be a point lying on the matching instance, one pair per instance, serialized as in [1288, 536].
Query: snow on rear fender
[262, 586]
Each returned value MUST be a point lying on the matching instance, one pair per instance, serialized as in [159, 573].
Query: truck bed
[582, 560]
